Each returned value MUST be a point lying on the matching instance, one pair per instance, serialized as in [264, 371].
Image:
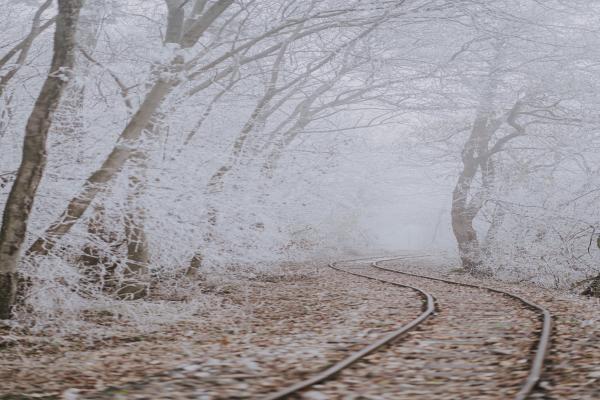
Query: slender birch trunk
[21, 198]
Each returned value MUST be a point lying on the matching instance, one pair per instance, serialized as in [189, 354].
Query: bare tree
[29, 175]
[167, 80]
[21, 50]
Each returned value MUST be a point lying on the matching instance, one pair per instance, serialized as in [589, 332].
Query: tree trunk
[217, 181]
[215, 186]
[110, 167]
[594, 288]
[491, 236]
[125, 147]
[462, 226]
[134, 284]
[69, 123]
[29, 175]
[465, 204]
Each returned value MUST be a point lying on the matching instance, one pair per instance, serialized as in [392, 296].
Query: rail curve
[428, 310]
[543, 344]
[537, 361]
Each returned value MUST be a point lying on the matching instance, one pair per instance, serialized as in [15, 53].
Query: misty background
[201, 138]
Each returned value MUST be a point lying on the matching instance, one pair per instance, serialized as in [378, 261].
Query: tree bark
[113, 163]
[129, 137]
[465, 205]
[29, 175]
[69, 123]
[134, 285]
[477, 157]
[491, 236]
[594, 287]
[135, 274]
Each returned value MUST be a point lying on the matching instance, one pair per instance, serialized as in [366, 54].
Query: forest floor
[263, 333]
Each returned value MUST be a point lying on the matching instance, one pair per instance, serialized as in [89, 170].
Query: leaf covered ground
[258, 334]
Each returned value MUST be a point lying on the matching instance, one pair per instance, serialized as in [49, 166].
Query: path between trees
[259, 333]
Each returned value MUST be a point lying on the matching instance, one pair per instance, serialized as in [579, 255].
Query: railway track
[428, 309]
[472, 344]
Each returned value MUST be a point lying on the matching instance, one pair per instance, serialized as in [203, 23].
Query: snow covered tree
[22, 195]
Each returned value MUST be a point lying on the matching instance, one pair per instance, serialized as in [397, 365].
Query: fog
[316, 199]
[178, 140]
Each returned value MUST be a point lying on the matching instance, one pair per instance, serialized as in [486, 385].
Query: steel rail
[543, 345]
[333, 370]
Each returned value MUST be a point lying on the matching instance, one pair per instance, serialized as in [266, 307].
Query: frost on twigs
[61, 299]
[64, 74]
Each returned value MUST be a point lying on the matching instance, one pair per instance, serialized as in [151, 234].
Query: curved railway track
[428, 309]
[535, 362]
[543, 342]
